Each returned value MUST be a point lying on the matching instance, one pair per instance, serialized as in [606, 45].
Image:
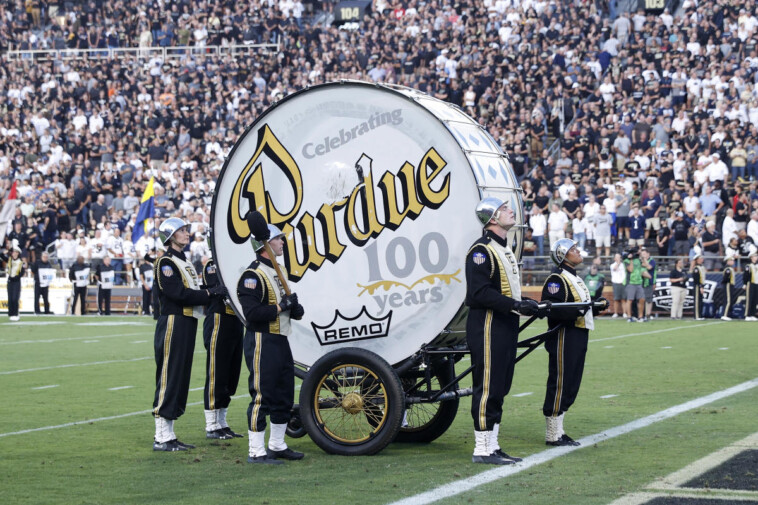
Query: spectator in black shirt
[711, 241]
[681, 231]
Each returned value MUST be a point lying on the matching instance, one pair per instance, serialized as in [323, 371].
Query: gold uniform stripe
[256, 382]
[559, 378]
[505, 285]
[164, 367]
[579, 323]
[273, 326]
[212, 363]
[487, 365]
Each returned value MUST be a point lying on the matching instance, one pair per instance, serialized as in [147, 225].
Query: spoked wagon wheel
[351, 402]
[425, 422]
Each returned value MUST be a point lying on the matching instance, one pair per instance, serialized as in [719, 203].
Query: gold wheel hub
[352, 403]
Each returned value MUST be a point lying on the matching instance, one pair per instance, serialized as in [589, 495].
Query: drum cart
[352, 402]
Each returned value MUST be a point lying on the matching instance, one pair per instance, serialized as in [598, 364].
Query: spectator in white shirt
[538, 224]
[557, 222]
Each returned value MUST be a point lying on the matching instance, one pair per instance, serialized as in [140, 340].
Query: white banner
[46, 276]
[82, 278]
[106, 279]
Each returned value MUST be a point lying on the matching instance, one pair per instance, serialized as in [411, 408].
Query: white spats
[494, 444]
[222, 418]
[256, 443]
[163, 430]
[552, 429]
[482, 443]
[276, 440]
[560, 425]
[211, 420]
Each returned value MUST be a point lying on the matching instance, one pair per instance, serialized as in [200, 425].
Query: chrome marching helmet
[169, 227]
[274, 232]
[560, 249]
[487, 209]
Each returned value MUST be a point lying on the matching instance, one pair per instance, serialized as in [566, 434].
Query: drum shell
[370, 284]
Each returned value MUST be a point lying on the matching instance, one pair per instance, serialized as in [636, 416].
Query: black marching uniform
[105, 275]
[180, 302]
[750, 281]
[79, 276]
[267, 350]
[14, 270]
[39, 289]
[146, 281]
[728, 281]
[698, 280]
[222, 335]
[492, 290]
[568, 348]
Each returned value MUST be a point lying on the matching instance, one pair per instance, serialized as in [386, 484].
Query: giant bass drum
[375, 189]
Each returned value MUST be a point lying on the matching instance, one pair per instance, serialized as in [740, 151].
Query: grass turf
[650, 367]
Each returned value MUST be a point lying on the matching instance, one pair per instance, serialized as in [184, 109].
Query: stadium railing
[166, 53]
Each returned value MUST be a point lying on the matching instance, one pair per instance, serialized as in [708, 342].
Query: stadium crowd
[655, 118]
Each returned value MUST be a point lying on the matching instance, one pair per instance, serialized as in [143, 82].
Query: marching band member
[728, 280]
[493, 294]
[750, 281]
[568, 348]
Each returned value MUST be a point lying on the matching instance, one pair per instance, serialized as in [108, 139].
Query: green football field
[75, 426]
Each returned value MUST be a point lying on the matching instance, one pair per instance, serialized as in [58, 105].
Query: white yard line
[47, 387]
[486, 477]
[119, 388]
[90, 421]
[51, 340]
[687, 327]
[522, 394]
[604, 397]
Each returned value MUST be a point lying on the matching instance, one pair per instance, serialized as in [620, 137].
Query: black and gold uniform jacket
[492, 281]
[14, 268]
[750, 274]
[179, 290]
[564, 286]
[217, 305]
[259, 292]
[727, 278]
[698, 275]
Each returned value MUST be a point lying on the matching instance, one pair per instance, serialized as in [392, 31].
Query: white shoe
[625, 316]
[13, 318]
[726, 318]
[751, 318]
[699, 319]
[614, 316]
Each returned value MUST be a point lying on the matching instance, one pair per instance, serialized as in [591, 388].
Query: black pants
[43, 292]
[81, 295]
[698, 299]
[147, 301]
[751, 300]
[174, 347]
[222, 336]
[272, 379]
[729, 298]
[104, 301]
[566, 352]
[14, 294]
[492, 340]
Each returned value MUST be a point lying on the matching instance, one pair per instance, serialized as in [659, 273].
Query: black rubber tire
[295, 428]
[434, 418]
[356, 385]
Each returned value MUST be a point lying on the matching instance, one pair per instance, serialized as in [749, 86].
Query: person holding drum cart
[180, 301]
[567, 348]
[222, 336]
[493, 294]
[268, 310]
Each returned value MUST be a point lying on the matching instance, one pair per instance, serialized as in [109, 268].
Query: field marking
[608, 396]
[51, 340]
[116, 323]
[198, 389]
[73, 365]
[460, 486]
[522, 394]
[47, 387]
[667, 347]
[671, 485]
[90, 421]
[119, 388]
[664, 330]
[723, 348]
[89, 341]
[608, 347]
[140, 342]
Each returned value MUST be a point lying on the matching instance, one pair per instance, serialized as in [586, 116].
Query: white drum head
[376, 197]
